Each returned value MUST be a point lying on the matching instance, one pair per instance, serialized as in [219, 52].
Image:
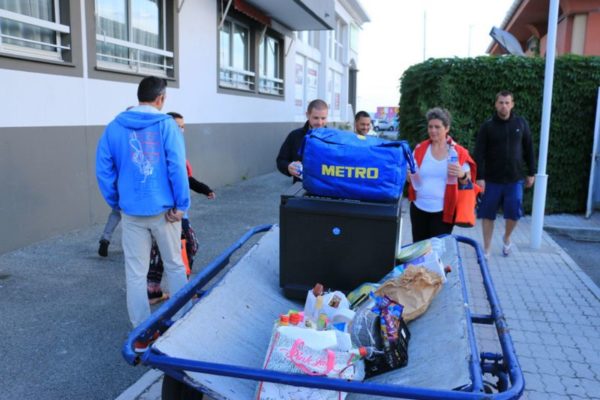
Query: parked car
[382, 125]
[389, 135]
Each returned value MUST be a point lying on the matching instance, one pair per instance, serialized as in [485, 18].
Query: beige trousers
[136, 243]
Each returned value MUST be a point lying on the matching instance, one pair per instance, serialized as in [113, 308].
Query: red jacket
[451, 193]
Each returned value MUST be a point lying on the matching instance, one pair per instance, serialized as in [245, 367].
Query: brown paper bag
[414, 289]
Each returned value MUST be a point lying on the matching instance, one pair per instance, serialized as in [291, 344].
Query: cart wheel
[172, 389]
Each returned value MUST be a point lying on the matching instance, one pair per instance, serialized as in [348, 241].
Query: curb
[576, 233]
[142, 385]
[586, 280]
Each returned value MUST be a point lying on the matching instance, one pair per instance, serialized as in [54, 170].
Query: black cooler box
[339, 243]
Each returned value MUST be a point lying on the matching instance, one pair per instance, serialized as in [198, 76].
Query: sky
[394, 40]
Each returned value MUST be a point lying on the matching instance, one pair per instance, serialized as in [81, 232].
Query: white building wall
[198, 98]
[73, 101]
[50, 123]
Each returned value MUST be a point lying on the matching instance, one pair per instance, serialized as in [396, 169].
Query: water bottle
[298, 166]
[415, 179]
[452, 159]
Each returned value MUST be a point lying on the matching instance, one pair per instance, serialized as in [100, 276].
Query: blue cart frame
[504, 366]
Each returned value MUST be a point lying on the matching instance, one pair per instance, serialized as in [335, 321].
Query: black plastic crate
[339, 243]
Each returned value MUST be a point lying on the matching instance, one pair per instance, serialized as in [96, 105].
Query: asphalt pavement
[580, 238]
[64, 317]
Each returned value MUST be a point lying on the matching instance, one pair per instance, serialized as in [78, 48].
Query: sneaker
[486, 255]
[506, 249]
[141, 346]
[154, 293]
[103, 249]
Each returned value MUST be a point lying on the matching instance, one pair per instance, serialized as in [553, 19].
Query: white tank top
[433, 175]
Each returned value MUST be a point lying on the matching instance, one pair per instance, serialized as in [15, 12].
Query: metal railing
[57, 28]
[134, 61]
[270, 85]
[237, 78]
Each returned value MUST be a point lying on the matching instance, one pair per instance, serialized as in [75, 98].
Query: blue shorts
[507, 195]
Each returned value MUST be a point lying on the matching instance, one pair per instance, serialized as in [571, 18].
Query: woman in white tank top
[435, 172]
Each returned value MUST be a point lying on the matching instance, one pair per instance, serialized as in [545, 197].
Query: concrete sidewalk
[552, 308]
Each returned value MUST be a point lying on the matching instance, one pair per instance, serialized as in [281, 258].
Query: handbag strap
[405, 148]
[409, 156]
[295, 356]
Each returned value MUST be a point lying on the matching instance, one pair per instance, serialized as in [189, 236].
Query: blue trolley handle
[497, 318]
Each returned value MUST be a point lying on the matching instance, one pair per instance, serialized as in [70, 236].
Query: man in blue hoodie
[140, 168]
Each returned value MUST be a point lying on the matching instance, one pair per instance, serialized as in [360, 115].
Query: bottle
[452, 159]
[298, 167]
[367, 352]
[322, 322]
[295, 318]
[284, 320]
[415, 179]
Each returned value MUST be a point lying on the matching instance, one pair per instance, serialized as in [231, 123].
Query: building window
[334, 94]
[234, 48]
[306, 84]
[35, 28]
[311, 38]
[354, 37]
[131, 36]
[270, 81]
[250, 57]
[336, 42]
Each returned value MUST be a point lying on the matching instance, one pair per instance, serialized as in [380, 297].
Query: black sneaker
[103, 249]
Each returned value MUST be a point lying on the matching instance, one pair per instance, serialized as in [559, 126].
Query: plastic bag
[394, 337]
[430, 261]
[308, 351]
[333, 305]
[465, 204]
[364, 328]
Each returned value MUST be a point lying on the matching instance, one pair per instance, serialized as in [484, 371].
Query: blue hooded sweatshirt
[140, 164]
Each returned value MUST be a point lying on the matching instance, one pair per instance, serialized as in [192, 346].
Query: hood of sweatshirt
[139, 120]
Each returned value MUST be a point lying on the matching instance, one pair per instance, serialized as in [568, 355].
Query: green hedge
[467, 88]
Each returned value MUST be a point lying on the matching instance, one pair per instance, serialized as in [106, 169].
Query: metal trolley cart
[218, 346]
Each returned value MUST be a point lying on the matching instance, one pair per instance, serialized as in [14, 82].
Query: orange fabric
[465, 206]
[188, 167]
[185, 259]
[451, 193]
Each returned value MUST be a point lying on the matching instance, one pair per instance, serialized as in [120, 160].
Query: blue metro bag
[346, 165]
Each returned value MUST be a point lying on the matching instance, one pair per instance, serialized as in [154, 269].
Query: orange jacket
[451, 193]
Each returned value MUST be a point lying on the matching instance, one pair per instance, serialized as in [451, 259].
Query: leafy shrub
[467, 88]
